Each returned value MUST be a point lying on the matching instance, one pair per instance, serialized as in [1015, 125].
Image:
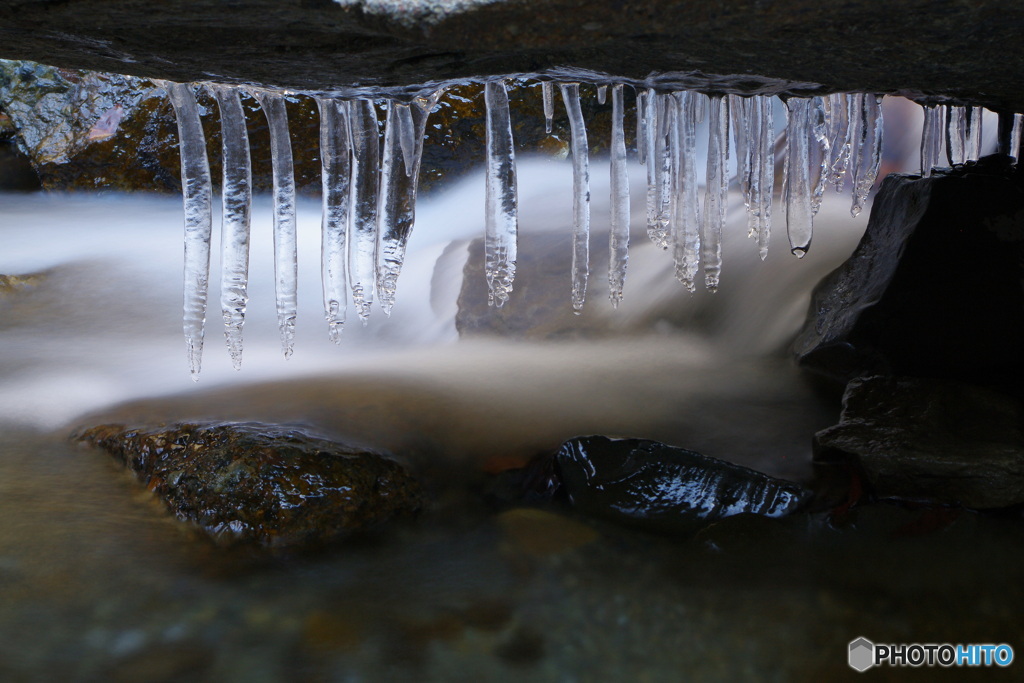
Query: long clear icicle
[658, 230]
[547, 89]
[602, 94]
[741, 137]
[651, 151]
[396, 208]
[580, 195]
[764, 175]
[974, 132]
[931, 139]
[840, 142]
[362, 235]
[956, 135]
[796, 177]
[502, 221]
[868, 158]
[235, 218]
[197, 195]
[618, 241]
[716, 189]
[336, 165]
[285, 251]
[686, 212]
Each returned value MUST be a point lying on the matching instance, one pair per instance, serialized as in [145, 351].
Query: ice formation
[501, 222]
[197, 193]
[235, 218]
[286, 269]
[370, 186]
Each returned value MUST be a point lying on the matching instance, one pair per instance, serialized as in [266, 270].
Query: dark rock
[936, 286]
[666, 488]
[926, 48]
[272, 485]
[933, 440]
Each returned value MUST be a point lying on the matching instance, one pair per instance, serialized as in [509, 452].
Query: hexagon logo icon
[862, 654]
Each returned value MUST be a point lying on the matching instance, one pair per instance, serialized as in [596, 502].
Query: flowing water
[98, 583]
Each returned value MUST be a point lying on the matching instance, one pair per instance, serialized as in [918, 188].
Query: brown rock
[267, 484]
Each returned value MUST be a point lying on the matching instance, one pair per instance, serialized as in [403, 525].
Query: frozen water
[335, 169]
[580, 196]
[362, 247]
[618, 246]
[502, 219]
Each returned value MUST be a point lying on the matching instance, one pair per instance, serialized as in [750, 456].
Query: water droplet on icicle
[285, 249]
[335, 166]
[580, 195]
[502, 222]
[236, 217]
[197, 196]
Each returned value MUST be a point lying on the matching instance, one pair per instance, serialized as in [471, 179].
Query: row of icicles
[369, 189]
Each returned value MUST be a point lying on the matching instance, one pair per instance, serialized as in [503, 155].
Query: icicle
[741, 135]
[336, 166]
[1015, 135]
[658, 222]
[547, 90]
[764, 176]
[618, 245]
[581, 195]
[716, 189]
[819, 128]
[396, 208]
[197, 194]
[956, 135]
[651, 147]
[502, 222]
[641, 126]
[840, 142]
[236, 192]
[407, 135]
[796, 177]
[602, 94]
[285, 252]
[362, 242]
[869, 150]
[974, 131]
[931, 139]
[686, 215]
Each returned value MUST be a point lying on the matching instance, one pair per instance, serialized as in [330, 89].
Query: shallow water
[98, 583]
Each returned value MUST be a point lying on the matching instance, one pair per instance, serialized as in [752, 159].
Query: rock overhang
[931, 50]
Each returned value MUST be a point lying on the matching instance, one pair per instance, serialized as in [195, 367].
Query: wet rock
[961, 50]
[935, 287]
[83, 130]
[934, 440]
[540, 305]
[272, 485]
[539, 533]
[667, 488]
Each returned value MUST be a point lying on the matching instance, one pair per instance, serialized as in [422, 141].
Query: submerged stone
[667, 488]
[935, 440]
[268, 484]
[934, 287]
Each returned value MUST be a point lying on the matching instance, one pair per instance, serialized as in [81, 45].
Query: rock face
[933, 440]
[666, 488]
[271, 485]
[925, 48]
[935, 287]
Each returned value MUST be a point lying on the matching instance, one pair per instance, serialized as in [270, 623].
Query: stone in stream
[666, 488]
[929, 439]
[268, 484]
